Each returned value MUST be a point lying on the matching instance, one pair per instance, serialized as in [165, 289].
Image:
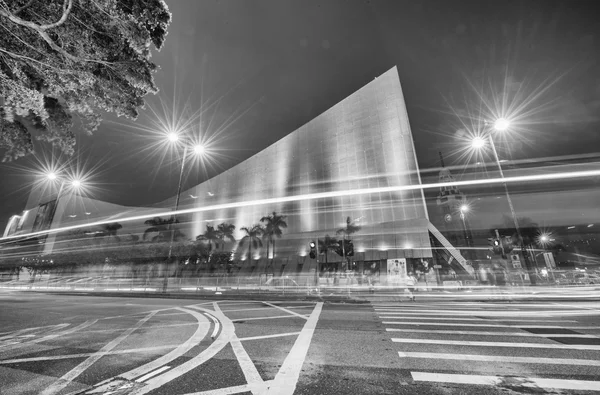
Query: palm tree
[273, 228]
[327, 244]
[252, 237]
[211, 235]
[350, 229]
[226, 232]
[162, 227]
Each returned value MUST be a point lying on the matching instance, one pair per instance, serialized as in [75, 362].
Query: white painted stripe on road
[71, 375]
[79, 327]
[233, 390]
[264, 318]
[286, 310]
[531, 382]
[263, 308]
[86, 354]
[269, 336]
[248, 368]
[287, 378]
[496, 358]
[585, 347]
[486, 325]
[216, 330]
[21, 332]
[479, 313]
[152, 374]
[216, 346]
[483, 333]
[201, 331]
[406, 317]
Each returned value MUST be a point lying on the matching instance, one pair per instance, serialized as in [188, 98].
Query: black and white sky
[259, 69]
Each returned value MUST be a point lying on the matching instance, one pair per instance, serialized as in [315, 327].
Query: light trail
[323, 195]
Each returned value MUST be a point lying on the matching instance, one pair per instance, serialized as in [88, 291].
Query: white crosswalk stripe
[437, 344]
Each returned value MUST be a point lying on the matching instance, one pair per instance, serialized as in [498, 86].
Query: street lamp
[198, 149]
[501, 125]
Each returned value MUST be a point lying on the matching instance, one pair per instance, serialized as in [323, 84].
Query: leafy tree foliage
[60, 58]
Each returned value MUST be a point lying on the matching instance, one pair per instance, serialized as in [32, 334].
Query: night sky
[274, 65]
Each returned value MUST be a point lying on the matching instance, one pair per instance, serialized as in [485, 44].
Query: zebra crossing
[525, 347]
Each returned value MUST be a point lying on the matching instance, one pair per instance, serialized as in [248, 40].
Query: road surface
[67, 344]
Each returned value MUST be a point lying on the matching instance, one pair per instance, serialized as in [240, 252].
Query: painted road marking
[531, 382]
[286, 310]
[220, 342]
[248, 368]
[20, 332]
[587, 347]
[486, 325]
[263, 308]
[482, 313]
[287, 378]
[463, 319]
[152, 374]
[216, 330]
[269, 336]
[494, 358]
[49, 337]
[68, 377]
[265, 318]
[201, 331]
[233, 390]
[86, 354]
[483, 333]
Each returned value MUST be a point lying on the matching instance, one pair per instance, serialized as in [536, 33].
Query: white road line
[68, 377]
[152, 374]
[483, 333]
[201, 331]
[232, 390]
[83, 355]
[286, 310]
[49, 337]
[264, 318]
[487, 325]
[17, 333]
[466, 319]
[531, 382]
[269, 336]
[287, 378]
[263, 308]
[480, 313]
[248, 368]
[220, 342]
[586, 347]
[495, 358]
[216, 330]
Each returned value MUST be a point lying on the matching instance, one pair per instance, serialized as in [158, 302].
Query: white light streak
[322, 195]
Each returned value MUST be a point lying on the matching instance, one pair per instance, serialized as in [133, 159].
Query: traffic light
[494, 244]
[313, 253]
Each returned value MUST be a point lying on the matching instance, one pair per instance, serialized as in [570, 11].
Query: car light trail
[323, 195]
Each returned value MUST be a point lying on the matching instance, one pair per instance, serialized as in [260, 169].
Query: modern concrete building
[356, 160]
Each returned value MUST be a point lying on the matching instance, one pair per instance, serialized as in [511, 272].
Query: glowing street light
[199, 149]
[464, 208]
[51, 176]
[478, 142]
[173, 137]
[501, 124]
[76, 184]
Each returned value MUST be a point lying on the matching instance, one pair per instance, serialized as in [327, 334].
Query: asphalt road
[67, 344]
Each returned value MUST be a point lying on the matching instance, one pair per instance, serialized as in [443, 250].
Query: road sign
[437, 266]
[516, 261]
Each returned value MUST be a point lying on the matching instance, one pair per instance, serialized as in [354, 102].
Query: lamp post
[468, 240]
[75, 185]
[198, 149]
[501, 125]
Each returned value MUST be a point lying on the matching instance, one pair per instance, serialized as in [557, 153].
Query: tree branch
[22, 8]
[66, 10]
